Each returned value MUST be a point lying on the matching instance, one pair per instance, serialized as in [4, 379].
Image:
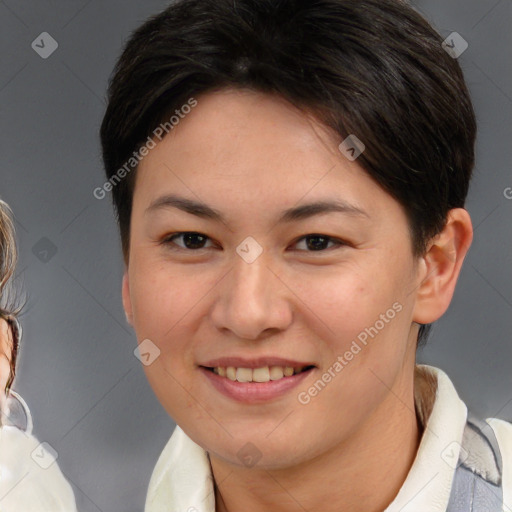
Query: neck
[364, 472]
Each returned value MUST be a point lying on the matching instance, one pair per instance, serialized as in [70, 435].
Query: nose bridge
[251, 299]
[251, 278]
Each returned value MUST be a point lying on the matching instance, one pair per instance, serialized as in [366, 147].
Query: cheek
[361, 320]
[161, 297]
[167, 302]
[163, 306]
[341, 304]
[361, 324]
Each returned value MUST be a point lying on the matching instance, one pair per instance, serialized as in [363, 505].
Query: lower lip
[254, 392]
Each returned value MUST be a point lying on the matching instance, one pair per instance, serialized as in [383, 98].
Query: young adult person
[289, 178]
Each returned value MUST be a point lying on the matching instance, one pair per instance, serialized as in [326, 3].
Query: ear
[439, 268]
[127, 301]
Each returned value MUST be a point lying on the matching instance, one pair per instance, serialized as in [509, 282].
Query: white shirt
[182, 479]
[30, 477]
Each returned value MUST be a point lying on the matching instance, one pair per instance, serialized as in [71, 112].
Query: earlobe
[127, 302]
[440, 267]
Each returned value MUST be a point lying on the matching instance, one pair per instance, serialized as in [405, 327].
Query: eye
[317, 242]
[191, 240]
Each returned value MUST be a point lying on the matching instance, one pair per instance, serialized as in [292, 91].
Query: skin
[251, 156]
[5, 358]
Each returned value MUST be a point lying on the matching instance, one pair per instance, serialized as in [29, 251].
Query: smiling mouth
[262, 374]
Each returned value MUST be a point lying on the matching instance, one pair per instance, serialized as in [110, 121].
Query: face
[5, 357]
[254, 279]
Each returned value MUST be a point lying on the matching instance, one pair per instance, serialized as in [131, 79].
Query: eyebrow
[296, 213]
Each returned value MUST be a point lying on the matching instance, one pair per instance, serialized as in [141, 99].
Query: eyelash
[169, 243]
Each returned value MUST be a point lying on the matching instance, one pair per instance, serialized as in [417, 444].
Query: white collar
[182, 479]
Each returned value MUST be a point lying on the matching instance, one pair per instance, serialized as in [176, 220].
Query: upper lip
[259, 362]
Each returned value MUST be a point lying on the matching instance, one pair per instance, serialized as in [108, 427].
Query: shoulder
[503, 431]
[34, 480]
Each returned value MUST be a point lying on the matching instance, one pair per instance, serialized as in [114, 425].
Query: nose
[252, 301]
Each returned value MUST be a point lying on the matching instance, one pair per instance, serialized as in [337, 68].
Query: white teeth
[263, 374]
[276, 372]
[243, 374]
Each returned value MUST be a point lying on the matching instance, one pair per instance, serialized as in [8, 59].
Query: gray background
[87, 392]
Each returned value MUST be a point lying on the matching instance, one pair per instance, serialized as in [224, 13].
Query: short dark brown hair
[372, 68]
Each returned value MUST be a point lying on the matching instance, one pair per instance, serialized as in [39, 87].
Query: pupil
[316, 246]
[190, 236]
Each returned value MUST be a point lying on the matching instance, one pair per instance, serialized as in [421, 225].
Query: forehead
[256, 150]
[235, 130]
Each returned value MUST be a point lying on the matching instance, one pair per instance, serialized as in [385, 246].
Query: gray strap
[477, 482]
